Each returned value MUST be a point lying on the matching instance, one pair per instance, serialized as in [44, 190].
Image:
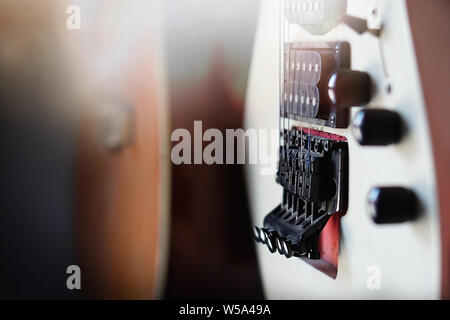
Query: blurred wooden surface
[119, 193]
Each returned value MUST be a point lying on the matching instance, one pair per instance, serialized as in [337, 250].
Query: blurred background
[86, 116]
[209, 49]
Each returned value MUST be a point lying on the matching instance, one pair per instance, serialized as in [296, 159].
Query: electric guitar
[358, 207]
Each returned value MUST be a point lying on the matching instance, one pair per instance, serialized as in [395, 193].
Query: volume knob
[377, 127]
[348, 88]
[392, 205]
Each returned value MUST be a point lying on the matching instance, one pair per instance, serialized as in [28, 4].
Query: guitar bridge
[313, 171]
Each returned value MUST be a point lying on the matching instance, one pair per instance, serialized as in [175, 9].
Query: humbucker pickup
[317, 16]
[308, 67]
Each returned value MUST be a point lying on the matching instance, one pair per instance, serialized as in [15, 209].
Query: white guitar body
[375, 262]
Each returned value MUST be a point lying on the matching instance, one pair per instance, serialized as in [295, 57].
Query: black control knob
[348, 88]
[392, 205]
[377, 127]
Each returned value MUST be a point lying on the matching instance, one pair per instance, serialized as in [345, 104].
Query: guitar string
[298, 85]
[283, 24]
[280, 82]
[284, 77]
[302, 111]
[289, 100]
